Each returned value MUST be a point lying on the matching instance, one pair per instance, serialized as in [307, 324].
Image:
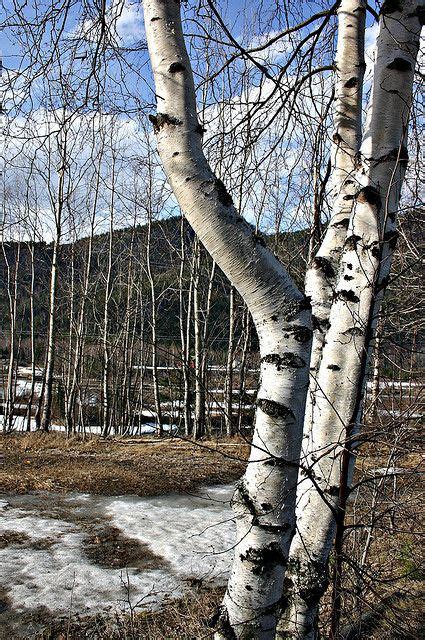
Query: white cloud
[124, 19]
[129, 24]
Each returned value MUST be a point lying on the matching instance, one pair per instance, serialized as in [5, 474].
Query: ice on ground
[43, 560]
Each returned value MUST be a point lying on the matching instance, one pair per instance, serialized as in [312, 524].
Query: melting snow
[192, 535]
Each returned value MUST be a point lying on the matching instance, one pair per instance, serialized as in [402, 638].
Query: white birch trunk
[364, 269]
[58, 202]
[184, 336]
[32, 336]
[322, 274]
[199, 422]
[12, 293]
[228, 386]
[106, 371]
[264, 500]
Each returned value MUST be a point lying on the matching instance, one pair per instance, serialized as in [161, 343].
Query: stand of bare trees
[218, 268]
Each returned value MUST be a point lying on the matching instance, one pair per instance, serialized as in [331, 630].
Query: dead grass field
[53, 462]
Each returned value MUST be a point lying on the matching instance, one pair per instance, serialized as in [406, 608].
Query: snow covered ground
[19, 423]
[191, 536]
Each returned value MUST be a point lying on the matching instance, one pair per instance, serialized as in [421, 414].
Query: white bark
[199, 422]
[364, 267]
[322, 274]
[228, 386]
[106, 369]
[264, 500]
[12, 296]
[32, 335]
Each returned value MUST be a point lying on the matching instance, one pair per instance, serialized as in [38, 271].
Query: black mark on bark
[275, 409]
[370, 195]
[176, 67]
[290, 360]
[400, 64]
[352, 241]
[351, 83]
[348, 295]
[222, 193]
[324, 265]
[264, 558]
[162, 119]
[342, 224]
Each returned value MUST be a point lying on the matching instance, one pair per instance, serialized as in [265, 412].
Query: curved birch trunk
[363, 274]
[265, 499]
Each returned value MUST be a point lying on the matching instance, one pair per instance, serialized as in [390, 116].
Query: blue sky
[126, 86]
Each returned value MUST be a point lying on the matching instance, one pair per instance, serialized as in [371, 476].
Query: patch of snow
[389, 471]
[193, 534]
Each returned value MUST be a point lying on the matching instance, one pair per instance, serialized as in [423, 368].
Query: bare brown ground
[53, 462]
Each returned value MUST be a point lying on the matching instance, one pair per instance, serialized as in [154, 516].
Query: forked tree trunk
[264, 499]
[199, 422]
[362, 278]
[351, 267]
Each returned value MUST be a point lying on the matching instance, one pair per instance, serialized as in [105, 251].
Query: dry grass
[183, 619]
[53, 462]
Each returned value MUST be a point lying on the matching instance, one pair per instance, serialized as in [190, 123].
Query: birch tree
[348, 276]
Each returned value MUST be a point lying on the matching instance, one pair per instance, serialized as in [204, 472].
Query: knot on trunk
[400, 64]
[351, 83]
[300, 333]
[369, 195]
[341, 224]
[161, 119]
[352, 242]
[325, 265]
[176, 67]
[320, 324]
[222, 194]
[275, 409]
[264, 559]
[348, 295]
[290, 360]
[310, 579]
